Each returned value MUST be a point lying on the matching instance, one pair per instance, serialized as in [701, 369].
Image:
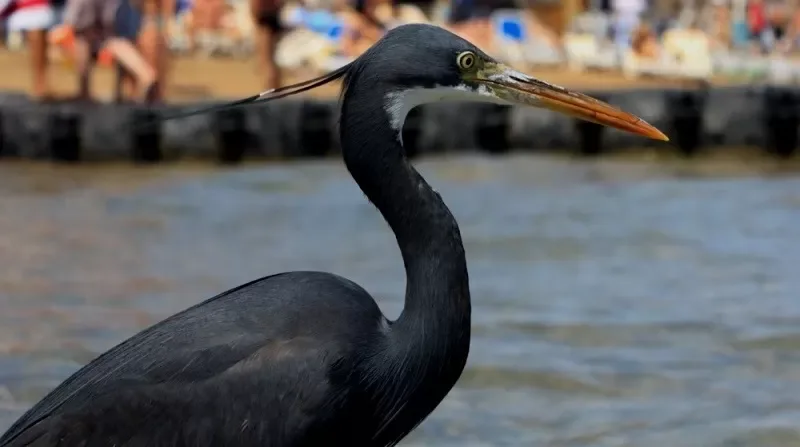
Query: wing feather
[262, 343]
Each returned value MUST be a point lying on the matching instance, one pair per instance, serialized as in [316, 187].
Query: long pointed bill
[513, 86]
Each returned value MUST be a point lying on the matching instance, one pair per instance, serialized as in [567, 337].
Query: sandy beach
[201, 78]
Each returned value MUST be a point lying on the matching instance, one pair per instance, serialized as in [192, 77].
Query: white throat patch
[398, 103]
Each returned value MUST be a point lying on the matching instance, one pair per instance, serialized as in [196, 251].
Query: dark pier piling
[763, 118]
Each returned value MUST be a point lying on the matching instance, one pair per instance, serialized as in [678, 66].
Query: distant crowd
[139, 37]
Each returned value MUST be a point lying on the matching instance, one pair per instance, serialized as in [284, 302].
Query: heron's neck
[437, 302]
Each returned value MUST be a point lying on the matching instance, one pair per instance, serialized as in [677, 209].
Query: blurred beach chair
[634, 66]
[684, 54]
[315, 41]
[783, 70]
[178, 39]
[598, 24]
[691, 50]
[756, 67]
[235, 38]
[741, 65]
[515, 43]
[394, 14]
[586, 51]
[240, 43]
[588, 43]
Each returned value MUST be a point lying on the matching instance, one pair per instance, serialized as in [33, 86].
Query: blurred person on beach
[206, 20]
[35, 18]
[715, 21]
[392, 13]
[304, 43]
[471, 19]
[95, 25]
[178, 18]
[361, 24]
[627, 14]
[644, 43]
[757, 24]
[536, 27]
[363, 28]
[145, 24]
[791, 42]
[151, 41]
[310, 25]
[3, 34]
[266, 16]
[779, 18]
[770, 24]
[367, 20]
[360, 28]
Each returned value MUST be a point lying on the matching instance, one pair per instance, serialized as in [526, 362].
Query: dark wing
[266, 346]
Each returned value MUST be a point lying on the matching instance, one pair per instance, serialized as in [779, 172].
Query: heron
[304, 358]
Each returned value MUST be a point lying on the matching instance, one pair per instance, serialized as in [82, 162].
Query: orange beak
[513, 86]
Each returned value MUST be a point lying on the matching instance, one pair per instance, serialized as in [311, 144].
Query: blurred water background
[616, 303]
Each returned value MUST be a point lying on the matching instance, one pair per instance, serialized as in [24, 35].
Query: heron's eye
[466, 60]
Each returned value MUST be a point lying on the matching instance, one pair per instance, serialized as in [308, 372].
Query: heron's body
[301, 367]
[306, 359]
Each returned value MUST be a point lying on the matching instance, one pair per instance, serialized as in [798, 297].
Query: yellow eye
[466, 60]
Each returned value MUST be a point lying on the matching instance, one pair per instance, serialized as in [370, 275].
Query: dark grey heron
[307, 358]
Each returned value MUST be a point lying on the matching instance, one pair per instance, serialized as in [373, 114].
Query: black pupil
[467, 60]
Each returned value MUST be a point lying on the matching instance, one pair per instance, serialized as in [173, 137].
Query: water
[615, 304]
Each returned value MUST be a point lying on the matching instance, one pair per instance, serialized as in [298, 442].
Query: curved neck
[437, 302]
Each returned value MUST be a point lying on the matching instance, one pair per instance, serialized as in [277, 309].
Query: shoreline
[697, 119]
[203, 79]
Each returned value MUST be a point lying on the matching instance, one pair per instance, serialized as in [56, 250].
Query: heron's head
[420, 64]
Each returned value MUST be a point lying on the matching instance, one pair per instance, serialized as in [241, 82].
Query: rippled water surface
[615, 304]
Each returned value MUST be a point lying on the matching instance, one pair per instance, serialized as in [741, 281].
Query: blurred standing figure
[144, 23]
[206, 21]
[392, 13]
[266, 15]
[34, 18]
[768, 23]
[756, 14]
[94, 24]
[362, 28]
[715, 20]
[151, 40]
[778, 22]
[627, 14]
[470, 20]
[792, 40]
